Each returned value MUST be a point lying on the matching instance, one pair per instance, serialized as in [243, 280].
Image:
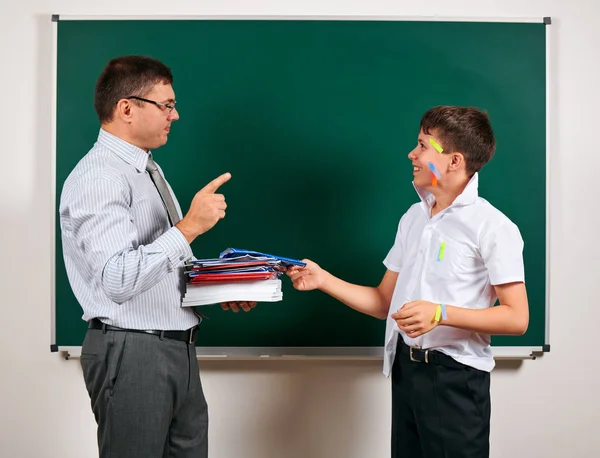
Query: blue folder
[231, 252]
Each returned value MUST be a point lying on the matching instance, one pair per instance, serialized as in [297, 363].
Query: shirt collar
[467, 197]
[126, 151]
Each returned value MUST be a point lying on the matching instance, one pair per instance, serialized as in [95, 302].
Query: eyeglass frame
[158, 104]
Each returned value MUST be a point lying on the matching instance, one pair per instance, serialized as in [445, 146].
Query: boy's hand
[307, 278]
[416, 318]
[246, 306]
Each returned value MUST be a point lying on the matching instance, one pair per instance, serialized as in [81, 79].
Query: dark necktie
[163, 190]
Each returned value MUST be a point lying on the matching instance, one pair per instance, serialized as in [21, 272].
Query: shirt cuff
[175, 246]
[505, 280]
[391, 266]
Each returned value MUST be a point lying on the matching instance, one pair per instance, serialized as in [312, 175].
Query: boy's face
[425, 156]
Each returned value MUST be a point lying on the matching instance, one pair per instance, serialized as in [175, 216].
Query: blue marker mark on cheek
[435, 171]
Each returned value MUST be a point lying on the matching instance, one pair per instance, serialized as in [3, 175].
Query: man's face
[424, 155]
[151, 123]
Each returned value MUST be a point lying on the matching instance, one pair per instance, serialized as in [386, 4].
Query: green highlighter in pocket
[441, 252]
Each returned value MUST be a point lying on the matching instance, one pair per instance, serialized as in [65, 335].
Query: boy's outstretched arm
[510, 317]
[366, 299]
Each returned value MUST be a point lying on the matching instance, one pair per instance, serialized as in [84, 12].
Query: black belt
[188, 336]
[419, 355]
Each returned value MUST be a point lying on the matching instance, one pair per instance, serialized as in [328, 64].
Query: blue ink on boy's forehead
[434, 170]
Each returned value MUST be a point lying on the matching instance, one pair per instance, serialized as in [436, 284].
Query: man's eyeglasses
[162, 106]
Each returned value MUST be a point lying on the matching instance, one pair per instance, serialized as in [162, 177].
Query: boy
[453, 256]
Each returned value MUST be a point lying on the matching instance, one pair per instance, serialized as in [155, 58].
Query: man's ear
[124, 111]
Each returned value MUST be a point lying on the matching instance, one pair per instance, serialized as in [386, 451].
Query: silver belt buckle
[191, 339]
[410, 354]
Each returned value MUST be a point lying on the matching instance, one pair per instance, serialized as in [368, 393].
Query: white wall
[269, 409]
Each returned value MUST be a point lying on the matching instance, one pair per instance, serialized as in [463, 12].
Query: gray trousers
[146, 395]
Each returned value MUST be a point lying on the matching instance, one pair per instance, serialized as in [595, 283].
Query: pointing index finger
[212, 187]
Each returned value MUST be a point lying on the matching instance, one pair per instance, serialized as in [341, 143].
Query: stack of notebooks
[236, 275]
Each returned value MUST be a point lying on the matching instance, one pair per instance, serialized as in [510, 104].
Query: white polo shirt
[482, 248]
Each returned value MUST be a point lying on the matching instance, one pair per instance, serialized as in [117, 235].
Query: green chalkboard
[314, 119]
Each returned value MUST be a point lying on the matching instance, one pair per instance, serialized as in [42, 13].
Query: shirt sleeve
[502, 252]
[102, 230]
[393, 260]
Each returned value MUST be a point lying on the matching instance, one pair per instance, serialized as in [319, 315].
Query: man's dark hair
[465, 130]
[127, 76]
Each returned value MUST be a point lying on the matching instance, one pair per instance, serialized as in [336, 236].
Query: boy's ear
[456, 161]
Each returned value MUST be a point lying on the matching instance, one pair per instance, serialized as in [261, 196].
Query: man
[125, 245]
[454, 254]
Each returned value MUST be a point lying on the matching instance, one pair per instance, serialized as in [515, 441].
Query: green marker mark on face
[436, 145]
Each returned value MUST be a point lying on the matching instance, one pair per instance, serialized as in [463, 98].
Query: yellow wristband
[438, 313]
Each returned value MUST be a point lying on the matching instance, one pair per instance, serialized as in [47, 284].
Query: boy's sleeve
[393, 260]
[502, 252]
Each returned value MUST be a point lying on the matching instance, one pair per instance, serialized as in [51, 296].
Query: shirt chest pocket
[150, 218]
[446, 258]
[146, 208]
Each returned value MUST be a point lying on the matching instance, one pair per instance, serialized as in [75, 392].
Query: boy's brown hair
[465, 130]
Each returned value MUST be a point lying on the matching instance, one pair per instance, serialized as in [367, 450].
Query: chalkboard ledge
[315, 353]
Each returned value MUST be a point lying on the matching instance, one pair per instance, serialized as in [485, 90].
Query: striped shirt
[123, 259]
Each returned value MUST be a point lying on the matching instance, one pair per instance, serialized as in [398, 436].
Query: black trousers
[146, 395]
[440, 409]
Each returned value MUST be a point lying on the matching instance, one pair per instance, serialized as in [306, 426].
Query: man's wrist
[187, 233]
